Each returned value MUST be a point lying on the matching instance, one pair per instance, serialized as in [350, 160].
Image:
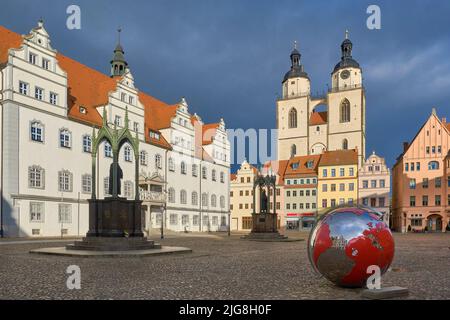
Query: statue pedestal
[115, 217]
[115, 224]
[265, 228]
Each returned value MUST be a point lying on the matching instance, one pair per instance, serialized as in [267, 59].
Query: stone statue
[119, 178]
[263, 201]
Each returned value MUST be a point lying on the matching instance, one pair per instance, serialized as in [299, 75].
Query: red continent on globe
[346, 241]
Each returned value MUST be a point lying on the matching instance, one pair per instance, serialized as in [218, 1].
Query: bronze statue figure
[119, 177]
[263, 201]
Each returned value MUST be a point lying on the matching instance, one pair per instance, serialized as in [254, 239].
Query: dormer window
[295, 165]
[309, 164]
[82, 110]
[32, 58]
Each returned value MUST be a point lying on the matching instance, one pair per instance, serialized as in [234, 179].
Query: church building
[310, 125]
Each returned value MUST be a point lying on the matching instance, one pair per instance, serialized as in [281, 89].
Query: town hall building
[50, 107]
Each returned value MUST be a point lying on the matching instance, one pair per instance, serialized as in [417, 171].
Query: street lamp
[163, 207]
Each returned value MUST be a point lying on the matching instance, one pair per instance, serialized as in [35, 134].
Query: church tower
[292, 110]
[118, 63]
[346, 104]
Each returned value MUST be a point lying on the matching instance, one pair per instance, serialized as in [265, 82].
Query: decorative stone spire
[118, 63]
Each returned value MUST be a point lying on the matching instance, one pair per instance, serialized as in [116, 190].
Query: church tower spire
[118, 63]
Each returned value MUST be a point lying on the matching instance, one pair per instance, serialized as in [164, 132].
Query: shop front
[300, 221]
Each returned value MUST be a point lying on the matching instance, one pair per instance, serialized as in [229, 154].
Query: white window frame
[108, 150]
[65, 179]
[23, 87]
[87, 143]
[36, 177]
[127, 154]
[65, 138]
[53, 98]
[64, 213]
[39, 93]
[86, 183]
[37, 125]
[37, 212]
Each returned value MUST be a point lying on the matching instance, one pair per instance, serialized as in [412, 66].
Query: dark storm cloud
[228, 57]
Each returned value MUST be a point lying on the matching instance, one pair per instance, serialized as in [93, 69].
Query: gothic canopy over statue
[116, 138]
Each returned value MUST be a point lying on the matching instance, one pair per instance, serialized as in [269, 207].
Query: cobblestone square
[220, 267]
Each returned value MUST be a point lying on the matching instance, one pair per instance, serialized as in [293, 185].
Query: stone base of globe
[349, 243]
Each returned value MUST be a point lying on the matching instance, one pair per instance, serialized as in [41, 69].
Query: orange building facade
[421, 180]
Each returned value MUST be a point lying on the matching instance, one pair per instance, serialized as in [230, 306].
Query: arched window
[37, 131]
[35, 177]
[293, 118]
[65, 181]
[128, 189]
[433, 165]
[64, 138]
[222, 177]
[108, 150]
[204, 199]
[127, 153]
[213, 175]
[222, 202]
[293, 150]
[183, 167]
[345, 111]
[87, 143]
[158, 161]
[171, 195]
[204, 173]
[345, 144]
[171, 164]
[194, 198]
[143, 157]
[213, 200]
[183, 197]
[194, 170]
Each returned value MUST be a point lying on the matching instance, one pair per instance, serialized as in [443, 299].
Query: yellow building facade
[337, 179]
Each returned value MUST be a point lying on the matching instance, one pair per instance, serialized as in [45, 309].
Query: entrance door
[438, 224]
[234, 224]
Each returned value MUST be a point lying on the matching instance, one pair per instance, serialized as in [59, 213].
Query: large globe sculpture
[346, 241]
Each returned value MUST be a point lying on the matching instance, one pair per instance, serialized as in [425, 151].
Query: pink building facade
[421, 180]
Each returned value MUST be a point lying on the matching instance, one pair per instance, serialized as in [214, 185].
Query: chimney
[405, 146]
[444, 121]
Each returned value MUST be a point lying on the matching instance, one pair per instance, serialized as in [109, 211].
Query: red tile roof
[302, 169]
[318, 118]
[339, 157]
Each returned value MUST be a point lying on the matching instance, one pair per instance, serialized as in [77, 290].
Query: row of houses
[308, 185]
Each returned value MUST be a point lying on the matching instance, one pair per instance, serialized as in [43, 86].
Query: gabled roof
[302, 169]
[8, 40]
[318, 118]
[90, 89]
[433, 113]
[209, 132]
[339, 157]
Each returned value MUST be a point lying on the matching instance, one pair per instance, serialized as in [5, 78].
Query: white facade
[46, 158]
